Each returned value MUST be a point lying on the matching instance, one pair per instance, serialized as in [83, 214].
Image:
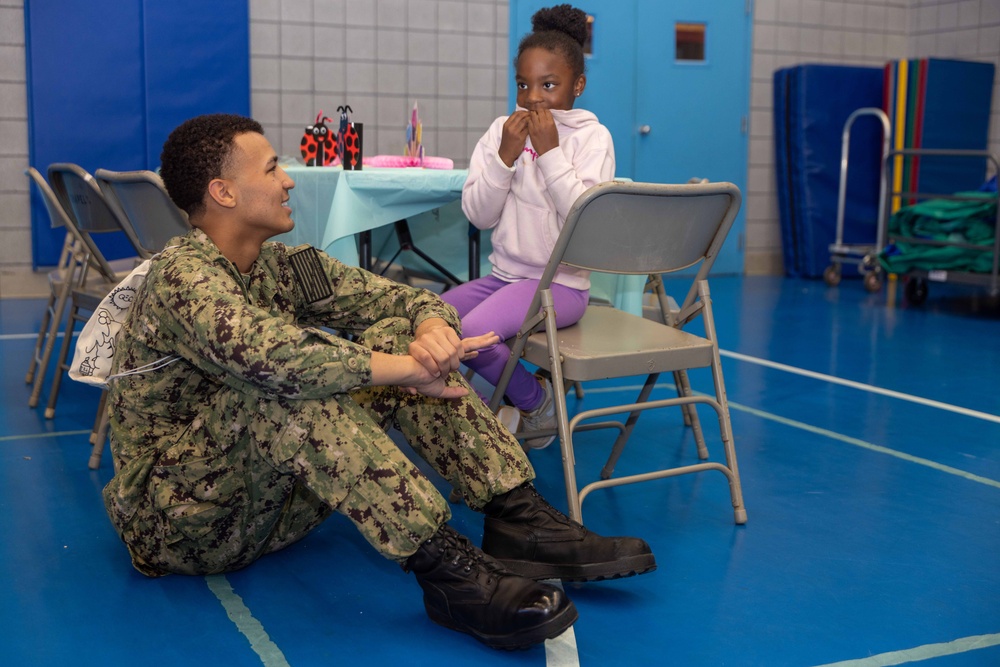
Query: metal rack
[916, 288]
[865, 254]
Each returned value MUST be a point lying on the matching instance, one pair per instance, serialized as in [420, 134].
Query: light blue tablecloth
[330, 206]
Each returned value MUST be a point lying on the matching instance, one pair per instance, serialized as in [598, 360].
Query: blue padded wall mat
[197, 61]
[85, 99]
[789, 240]
[108, 79]
[956, 116]
[812, 103]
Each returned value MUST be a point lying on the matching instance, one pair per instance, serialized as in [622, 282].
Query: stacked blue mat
[811, 105]
[931, 103]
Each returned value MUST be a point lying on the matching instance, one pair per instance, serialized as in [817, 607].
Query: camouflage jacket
[256, 334]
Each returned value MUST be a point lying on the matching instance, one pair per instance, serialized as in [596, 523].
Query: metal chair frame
[88, 214]
[634, 228]
[143, 207]
[62, 279]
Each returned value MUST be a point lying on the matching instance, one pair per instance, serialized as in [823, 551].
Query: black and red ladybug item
[319, 144]
[349, 139]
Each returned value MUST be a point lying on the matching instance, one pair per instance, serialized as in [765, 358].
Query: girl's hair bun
[562, 18]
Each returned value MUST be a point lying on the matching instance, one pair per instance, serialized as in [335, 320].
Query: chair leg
[623, 436]
[725, 424]
[729, 447]
[50, 342]
[29, 377]
[735, 486]
[99, 433]
[562, 417]
[691, 413]
[680, 392]
[67, 258]
[62, 365]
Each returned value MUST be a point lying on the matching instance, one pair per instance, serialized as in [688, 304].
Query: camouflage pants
[288, 464]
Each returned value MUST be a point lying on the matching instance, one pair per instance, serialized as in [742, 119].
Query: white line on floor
[31, 336]
[921, 653]
[821, 431]
[863, 387]
[270, 654]
[866, 445]
[561, 651]
[29, 436]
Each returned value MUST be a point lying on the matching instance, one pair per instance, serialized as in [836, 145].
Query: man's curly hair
[197, 151]
[561, 30]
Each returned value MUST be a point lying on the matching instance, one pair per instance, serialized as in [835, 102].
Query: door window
[690, 41]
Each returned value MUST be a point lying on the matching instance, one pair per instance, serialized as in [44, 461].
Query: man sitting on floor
[239, 422]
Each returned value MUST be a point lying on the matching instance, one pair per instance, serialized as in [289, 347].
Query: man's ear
[220, 191]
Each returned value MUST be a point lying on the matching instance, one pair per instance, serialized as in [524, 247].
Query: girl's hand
[513, 138]
[542, 130]
[472, 344]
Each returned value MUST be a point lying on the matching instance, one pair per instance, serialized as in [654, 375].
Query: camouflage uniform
[265, 424]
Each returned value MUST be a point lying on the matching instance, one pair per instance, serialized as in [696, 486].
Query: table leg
[365, 250]
[473, 252]
[406, 243]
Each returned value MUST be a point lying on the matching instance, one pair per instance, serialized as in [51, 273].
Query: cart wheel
[831, 275]
[916, 291]
[873, 282]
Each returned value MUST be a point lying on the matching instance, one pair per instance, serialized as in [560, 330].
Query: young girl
[524, 175]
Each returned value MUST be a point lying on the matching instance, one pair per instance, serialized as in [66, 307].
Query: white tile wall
[380, 56]
[452, 56]
[15, 226]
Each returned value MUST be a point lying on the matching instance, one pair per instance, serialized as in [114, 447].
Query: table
[330, 206]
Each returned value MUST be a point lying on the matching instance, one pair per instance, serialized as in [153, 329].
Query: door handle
[644, 129]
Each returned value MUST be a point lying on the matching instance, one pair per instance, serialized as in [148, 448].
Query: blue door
[671, 80]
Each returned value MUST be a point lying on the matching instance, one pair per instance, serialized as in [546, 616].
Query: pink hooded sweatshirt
[526, 205]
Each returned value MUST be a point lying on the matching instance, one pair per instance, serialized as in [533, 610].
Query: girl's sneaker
[510, 417]
[542, 417]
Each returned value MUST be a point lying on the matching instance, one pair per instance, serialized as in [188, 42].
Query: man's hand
[513, 138]
[439, 349]
[429, 379]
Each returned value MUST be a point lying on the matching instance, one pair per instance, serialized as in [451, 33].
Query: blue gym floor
[868, 437]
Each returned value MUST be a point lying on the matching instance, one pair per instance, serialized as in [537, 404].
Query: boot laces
[539, 498]
[458, 550]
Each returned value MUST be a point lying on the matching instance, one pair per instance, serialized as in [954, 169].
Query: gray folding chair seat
[144, 208]
[634, 228]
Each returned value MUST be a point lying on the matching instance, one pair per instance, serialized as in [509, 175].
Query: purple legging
[490, 304]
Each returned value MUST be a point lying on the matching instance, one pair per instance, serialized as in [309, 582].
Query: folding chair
[89, 215]
[633, 228]
[145, 210]
[61, 281]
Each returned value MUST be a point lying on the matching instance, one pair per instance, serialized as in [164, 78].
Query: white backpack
[95, 347]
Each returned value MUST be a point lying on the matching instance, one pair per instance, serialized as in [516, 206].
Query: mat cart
[865, 254]
[916, 287]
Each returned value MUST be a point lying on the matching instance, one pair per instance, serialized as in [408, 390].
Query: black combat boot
[466, 590]
[532, 538]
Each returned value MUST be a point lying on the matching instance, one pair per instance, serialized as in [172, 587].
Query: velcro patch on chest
[309, 274]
